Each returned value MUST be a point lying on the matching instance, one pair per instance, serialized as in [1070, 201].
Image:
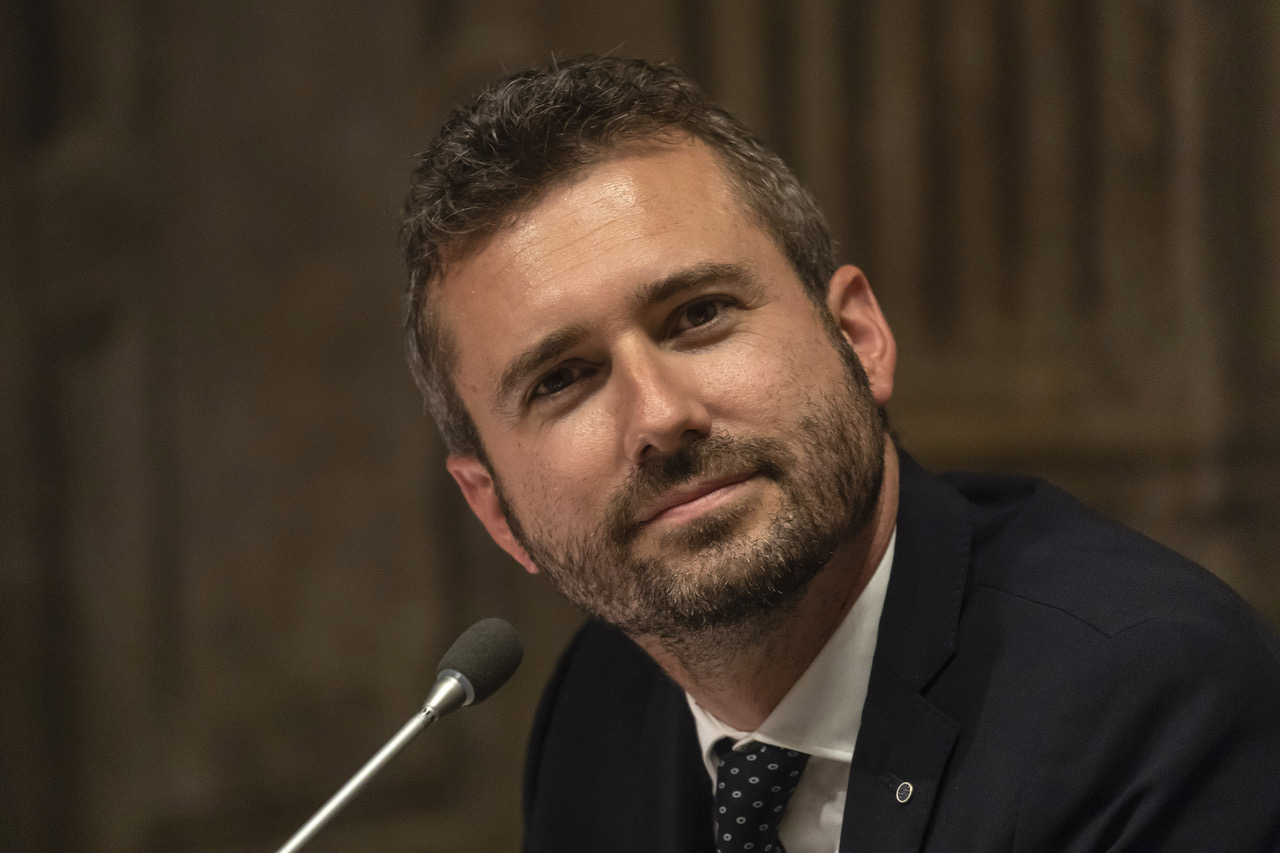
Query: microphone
[478, 663]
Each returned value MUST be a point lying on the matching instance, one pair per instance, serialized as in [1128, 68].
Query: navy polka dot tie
[752, 790]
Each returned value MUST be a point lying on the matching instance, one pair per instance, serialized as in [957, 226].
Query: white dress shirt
[820, 715]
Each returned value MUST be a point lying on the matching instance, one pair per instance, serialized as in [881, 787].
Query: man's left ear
[858, 315]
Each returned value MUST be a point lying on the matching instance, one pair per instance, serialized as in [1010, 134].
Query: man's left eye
[700, 313]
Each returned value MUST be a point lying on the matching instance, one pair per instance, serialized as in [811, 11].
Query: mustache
[706, 457]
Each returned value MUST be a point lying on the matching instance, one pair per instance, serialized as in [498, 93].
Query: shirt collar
[821, 713]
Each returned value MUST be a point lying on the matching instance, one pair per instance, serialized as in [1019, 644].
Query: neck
[740, 674]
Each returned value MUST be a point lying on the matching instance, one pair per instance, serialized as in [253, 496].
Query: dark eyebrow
[687, 279]
[549, 348]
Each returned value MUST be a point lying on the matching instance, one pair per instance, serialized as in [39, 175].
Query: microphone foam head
[487, 654]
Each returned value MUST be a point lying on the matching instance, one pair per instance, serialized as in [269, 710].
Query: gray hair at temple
[500, 153]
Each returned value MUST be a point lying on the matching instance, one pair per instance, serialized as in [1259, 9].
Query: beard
[716, 575]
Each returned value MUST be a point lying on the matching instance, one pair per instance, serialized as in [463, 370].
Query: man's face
[673, 434]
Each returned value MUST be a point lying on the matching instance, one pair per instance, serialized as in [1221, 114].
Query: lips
[684, 495]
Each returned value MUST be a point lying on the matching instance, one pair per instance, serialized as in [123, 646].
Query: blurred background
[229, 551]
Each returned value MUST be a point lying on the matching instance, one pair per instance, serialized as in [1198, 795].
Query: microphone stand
[452, 691]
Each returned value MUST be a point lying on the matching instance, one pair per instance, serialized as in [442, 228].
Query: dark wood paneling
[231, 555]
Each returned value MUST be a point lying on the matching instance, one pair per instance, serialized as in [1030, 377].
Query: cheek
[768, 375]
[564, 470]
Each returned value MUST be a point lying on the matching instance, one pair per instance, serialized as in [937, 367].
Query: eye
[701, 312]
[557, 380]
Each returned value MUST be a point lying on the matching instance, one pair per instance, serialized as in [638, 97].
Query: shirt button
[904, 792]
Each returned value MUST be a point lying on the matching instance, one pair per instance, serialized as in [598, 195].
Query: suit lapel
[904, 741]
[903, 747]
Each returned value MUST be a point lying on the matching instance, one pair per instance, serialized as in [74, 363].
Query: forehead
[577, 253]
[649, 191]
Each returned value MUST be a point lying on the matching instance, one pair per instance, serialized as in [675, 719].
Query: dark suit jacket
[1045, 679]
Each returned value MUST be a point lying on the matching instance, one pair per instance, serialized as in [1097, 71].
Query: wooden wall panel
[229, 553]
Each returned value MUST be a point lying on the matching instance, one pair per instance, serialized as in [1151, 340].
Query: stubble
[718, 584]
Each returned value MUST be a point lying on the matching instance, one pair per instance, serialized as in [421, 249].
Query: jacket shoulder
[1035, 542]
[1110, 692]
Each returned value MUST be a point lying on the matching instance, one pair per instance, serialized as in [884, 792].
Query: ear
[858, 315]
[477, 487]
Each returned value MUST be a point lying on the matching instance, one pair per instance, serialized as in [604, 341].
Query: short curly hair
[498, 154]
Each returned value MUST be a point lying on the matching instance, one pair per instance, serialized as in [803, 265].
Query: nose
[662, 408]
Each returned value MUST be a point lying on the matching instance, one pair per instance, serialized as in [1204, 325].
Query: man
[659, 389]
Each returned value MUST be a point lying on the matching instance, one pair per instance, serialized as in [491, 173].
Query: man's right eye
[556, 381]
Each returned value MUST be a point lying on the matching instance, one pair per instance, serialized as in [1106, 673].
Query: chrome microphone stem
[451, 692]
[488, 652]
[407, 733]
